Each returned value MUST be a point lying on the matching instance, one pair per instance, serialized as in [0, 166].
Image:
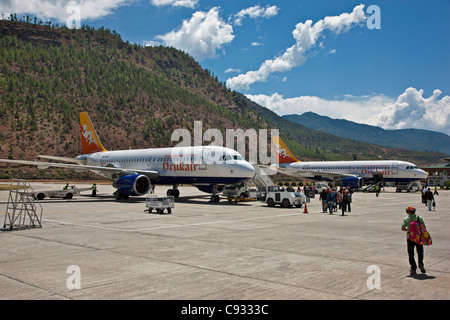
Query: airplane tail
[89, 138]
[284, 155]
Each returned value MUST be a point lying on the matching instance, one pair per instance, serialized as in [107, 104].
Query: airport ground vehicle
[239, 190]
[273, 195]
[319, 186]
[408, 186]
[68, 193]
[153, 202]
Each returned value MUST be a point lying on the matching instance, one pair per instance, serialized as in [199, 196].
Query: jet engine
[133, 185]
[353, 182]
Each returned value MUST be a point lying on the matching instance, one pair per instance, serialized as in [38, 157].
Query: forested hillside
[136, 96]
[414, 139]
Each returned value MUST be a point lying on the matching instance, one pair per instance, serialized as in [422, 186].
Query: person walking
[331, 200]
[377, 190]
[345, 201]
[411, 245]
[429, 198]
[94, 190]
[323, 198]
[435, 191]
[349, 199]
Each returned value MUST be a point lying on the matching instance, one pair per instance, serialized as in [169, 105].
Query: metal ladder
[23, 210]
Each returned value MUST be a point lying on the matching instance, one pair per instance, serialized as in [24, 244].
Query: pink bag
[419, 234]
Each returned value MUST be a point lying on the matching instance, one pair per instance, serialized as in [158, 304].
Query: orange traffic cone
[306, 209]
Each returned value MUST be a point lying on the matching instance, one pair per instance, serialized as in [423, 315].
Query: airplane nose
[246, 170]
[423, 174]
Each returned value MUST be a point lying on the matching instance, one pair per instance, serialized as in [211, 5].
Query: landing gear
[120, 195]
[215, 198]
[173, 192]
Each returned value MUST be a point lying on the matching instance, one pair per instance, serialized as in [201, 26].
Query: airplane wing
[316, 174]
[110, 171]
[62, 159]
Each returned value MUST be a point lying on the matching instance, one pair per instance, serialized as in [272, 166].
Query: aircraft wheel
[215, 199]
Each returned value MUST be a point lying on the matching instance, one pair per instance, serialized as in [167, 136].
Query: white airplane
[353, 174]
[133, 172]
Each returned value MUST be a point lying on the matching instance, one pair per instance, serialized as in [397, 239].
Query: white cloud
[175, 3]
[57, 9]
[151, 43]
[306, 35]
[229, 70]
[413, 110]
[255, 12]
[410, 110]
[201, 36]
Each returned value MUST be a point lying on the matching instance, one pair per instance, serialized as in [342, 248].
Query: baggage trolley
[153, 202]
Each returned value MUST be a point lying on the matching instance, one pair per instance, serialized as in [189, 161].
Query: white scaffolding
[261, 178]
[23, 210]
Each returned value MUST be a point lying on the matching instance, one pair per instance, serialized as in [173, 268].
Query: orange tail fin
[284, 155]
[89, 138]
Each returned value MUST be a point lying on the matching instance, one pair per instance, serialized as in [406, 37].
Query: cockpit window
[229, 157]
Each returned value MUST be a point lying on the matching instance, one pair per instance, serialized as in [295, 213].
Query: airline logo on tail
[284, 155]
[89, 139]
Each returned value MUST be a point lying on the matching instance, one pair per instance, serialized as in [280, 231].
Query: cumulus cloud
[254, 12]
[58, 9]
[175, 3]
[202, 35]
[409, 110]
[412, 110]
[306, 35]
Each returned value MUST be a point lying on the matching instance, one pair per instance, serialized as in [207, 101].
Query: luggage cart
[153, 202]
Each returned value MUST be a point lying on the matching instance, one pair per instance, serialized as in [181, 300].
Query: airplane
[136, 172]
[353, 174]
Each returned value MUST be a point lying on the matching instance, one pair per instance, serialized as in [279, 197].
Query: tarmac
[102, 249]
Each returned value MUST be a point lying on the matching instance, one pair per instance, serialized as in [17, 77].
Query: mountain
[136, 96]
[412, 139]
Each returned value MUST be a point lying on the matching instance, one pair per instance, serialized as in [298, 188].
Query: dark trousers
[419, 248]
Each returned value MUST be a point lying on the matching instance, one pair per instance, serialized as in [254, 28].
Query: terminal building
[438, 174]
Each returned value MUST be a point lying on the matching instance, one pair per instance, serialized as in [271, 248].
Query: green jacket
[407, 222]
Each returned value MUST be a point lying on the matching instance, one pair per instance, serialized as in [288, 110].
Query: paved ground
[222, 251]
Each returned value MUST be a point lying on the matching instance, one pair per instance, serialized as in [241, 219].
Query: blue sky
[298, 56]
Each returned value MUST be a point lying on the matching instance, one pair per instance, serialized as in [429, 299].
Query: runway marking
[168, 226]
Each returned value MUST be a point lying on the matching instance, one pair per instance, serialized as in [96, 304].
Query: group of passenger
[428, 197]
[332, 199]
